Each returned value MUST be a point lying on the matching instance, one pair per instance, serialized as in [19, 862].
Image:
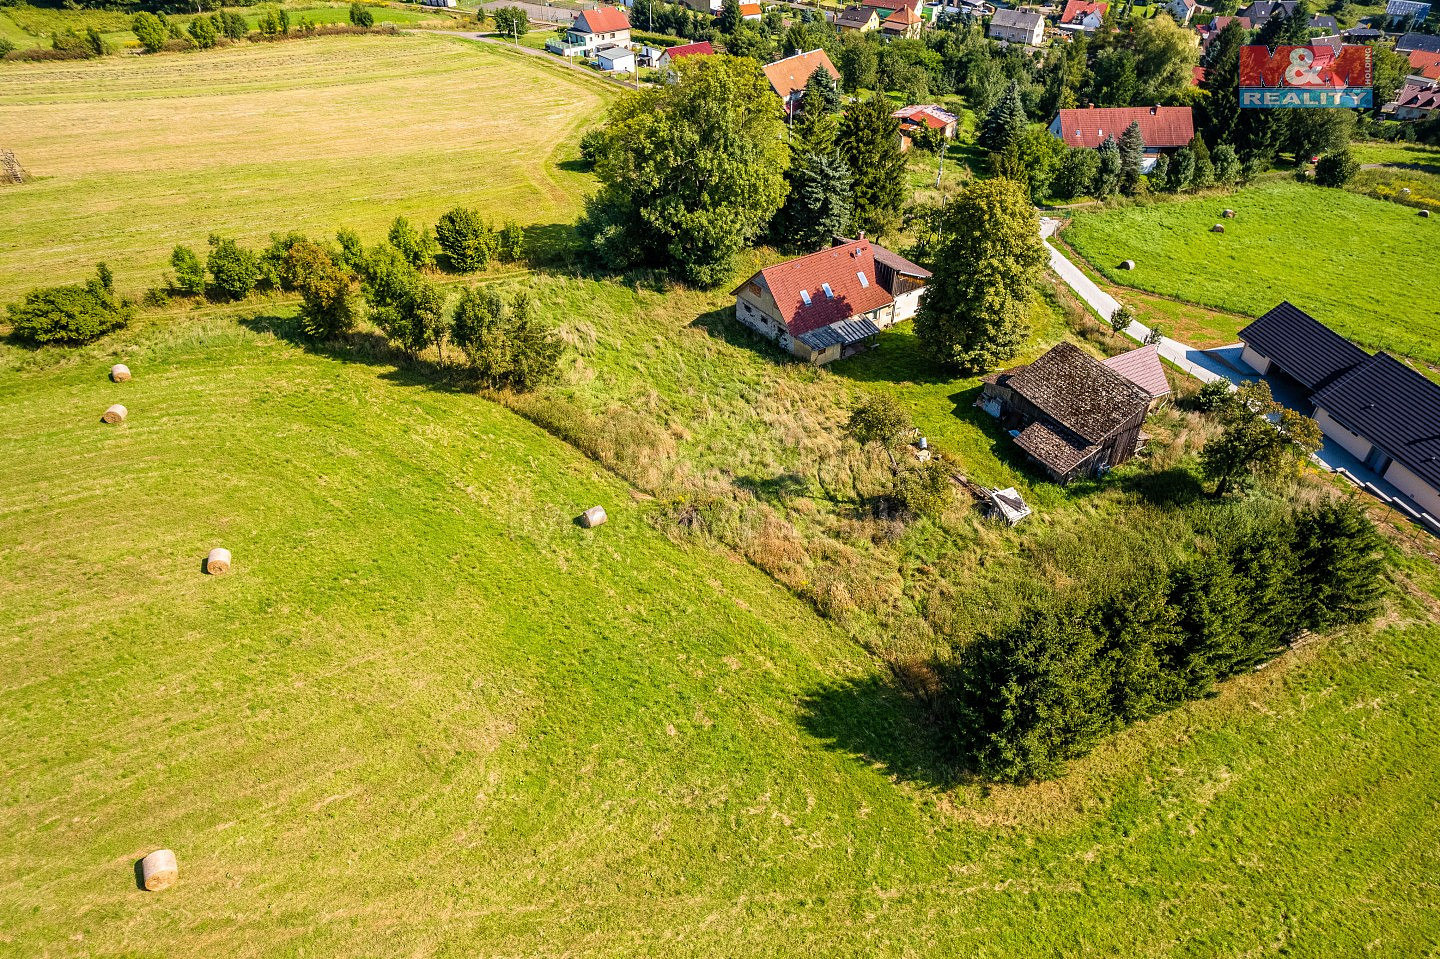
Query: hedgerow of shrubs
[1026, 698]
[70, 315]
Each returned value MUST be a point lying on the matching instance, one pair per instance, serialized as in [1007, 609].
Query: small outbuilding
[615, 59]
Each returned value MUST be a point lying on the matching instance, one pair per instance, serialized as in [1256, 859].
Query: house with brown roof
[1164, 129]
[1416, 100]
[1072, 414]
[924, 117]
[788, 76]
[831, 303]
[858, 19]
[591, 30]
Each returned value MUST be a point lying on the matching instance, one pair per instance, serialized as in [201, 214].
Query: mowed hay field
[133, 155]
[427, 714]
[1362, 266]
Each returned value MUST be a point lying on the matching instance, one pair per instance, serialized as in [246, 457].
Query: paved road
[1198, 363]
[626, 80]
[543, 12]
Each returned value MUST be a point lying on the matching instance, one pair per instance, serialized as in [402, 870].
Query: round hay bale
[115, 414]
[217, 563]
[1425, 213]
[119, 373]
[1404, 191]
[1128, 265]
[1228, 214]
[158, 870]
[593, 517]
[1217, 228]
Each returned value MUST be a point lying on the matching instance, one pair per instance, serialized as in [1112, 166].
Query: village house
[1164, 129]
[591, 30]
[925, 116]
[1411, 42]
[1406, 14]
[903, 24]
[1072, 414]
[1082, 16]
[711, 7]
[788, 76]
[1376, 408]
[858, 19]
[613, 59]
[1426, 65]
[1416, 100]
[1260, 12]
[831, 303]
[1017, 26]
[1211, 30]
[671, 54]
[1182, 10]
[751, 11]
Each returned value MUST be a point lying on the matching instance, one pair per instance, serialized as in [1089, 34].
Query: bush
[69, 315]
[507, 345]
[326, 290]
[361, 16]
[417, 246]
[204, 32]
[234, 270]
[510, 244]
[1121, 319]
[1211, 397]
[924, 490]
[189, 271]
[83, 45]
[467, 242]
[1336, 169]
[274, 263]
[151, 31]
[233, 25]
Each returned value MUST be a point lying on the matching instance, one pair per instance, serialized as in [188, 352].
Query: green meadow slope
[429, 715]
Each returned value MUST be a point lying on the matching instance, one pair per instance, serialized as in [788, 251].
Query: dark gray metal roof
[1411, 42]
[1303, 347]
[1393, 407]
[845, 332]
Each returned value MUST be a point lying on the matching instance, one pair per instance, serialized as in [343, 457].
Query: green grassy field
[253, 139]
[427, 714]
[1350, 261]
[1399, 154]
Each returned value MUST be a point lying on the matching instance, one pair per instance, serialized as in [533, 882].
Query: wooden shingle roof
[1079, 393]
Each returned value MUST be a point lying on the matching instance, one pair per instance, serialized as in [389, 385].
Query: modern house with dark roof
[1375, 407]
[1073, 415]
[1411, 42]
[858, 19]
[831, 303]
[1259, 12]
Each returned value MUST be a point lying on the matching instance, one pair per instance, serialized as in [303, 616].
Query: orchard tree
[1262, 439]
[988, 259]
[326, 290]
[234, 270]
[869, 142]
[189, 271]
[880, 421]
[691, 172]
[1165, 57]
[468, 244]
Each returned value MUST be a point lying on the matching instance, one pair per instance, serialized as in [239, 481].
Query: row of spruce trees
[1027, 697]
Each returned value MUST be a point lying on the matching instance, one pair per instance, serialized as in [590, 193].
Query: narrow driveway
[1198, 363]
[619, 80]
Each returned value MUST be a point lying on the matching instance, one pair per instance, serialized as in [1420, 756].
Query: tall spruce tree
[1005, 122]
[869, 142]
[1341, 564]
[1220, 109]
[1108, 174]
[818, 207]
[1132, 157]
[988, 258]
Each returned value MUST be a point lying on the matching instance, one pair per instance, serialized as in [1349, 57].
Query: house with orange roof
[750, 11]
[1083, 16]
[904, 23]
[1425, 64]
[831, 303]
[788, 76]
[591, 30]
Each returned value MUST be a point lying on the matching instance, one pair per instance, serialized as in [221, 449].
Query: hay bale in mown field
[115, 414]
[1128, 265]
[593, 517]
[1425, 213]
[1228, 214]
[218, 562]
[1217, 228]
[119, 373]
[159, 870]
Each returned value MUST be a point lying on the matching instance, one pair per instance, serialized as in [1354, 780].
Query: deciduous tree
[1261, 440]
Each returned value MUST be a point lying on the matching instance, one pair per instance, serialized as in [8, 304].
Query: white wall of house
[906, 305]
[1354, 444]
[1258, 362]
[1425, 495]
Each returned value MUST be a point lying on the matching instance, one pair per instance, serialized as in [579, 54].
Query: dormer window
[864, 283]
[805, 297]
[829, 293]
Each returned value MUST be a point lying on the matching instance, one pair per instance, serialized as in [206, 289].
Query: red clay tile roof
[1197, 75]
[1076, 9]
[749, 9]
[892, 4]
[1426, 64]
[838, 266]
[903, 17]
[1143, 368]
[702, 48]
[1162, 127]
[789, 75]
[602, 20]
[927, 114]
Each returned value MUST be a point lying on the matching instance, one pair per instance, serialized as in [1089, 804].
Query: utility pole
[939, 174]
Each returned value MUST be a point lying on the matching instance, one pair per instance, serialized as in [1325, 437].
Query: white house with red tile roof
[591, 30]
[788, 76]
[1164, 129]
[670, 55]
[828, 304]
[1083, 15]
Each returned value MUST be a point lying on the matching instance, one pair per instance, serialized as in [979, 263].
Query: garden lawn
[132, 156]
[427, 714]
[1357, 264]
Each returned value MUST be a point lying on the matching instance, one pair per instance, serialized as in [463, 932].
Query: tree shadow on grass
[1172, 487]
[876, 722]
[721, 324]
[368, 348]
[775, 489]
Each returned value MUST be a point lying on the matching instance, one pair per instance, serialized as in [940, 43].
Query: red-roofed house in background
[924, 116]
[591, 30]
[829, 304]
[1211, 30]
[1082, 16]
[1425, 64]
[788, 77]
[669, 56]
[904, 23]
[1164, 128]
[1418, 99]
[751, 11]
